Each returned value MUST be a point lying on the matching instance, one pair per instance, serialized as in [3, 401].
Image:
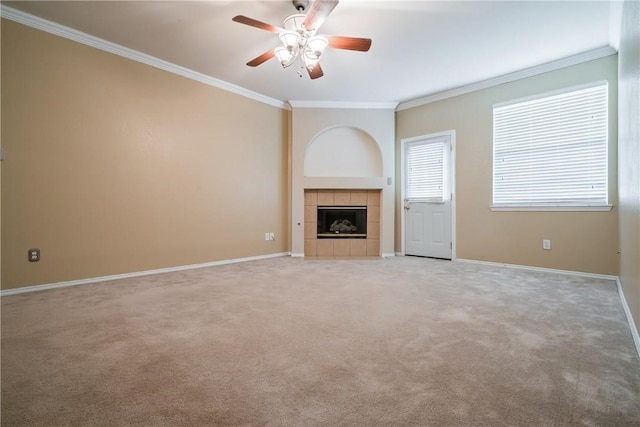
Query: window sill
[549, 208]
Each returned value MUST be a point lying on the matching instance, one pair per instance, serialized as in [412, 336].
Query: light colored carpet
[285, 341]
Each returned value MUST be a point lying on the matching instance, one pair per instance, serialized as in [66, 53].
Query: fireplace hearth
[348, 222]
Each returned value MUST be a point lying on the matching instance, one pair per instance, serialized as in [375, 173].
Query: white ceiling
[419, 48]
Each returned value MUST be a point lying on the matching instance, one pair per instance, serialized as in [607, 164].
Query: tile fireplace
[341, 223]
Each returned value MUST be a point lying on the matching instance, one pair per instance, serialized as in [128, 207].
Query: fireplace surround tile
[342, 198]
[358, 247]
[310, 215]
[310, 198]
[373, 230]
[310, 247]
[359, 198]
[341, 247]
[324, 247]
[310, 229]
[373, 198]
[326, 198]
[373, 247]
[373, 213]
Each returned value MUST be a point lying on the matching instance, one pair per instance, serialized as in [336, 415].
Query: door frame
[452, 179]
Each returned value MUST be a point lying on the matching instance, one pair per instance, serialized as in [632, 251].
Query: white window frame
[550, 204]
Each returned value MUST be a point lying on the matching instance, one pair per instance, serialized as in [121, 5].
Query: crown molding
[336, 104]
[569, 61]
[98, 43]
[125, 52]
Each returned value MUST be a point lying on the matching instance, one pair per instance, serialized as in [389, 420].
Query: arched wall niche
[343, 151]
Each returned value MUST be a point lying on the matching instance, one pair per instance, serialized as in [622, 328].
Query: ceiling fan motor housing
[300, 5]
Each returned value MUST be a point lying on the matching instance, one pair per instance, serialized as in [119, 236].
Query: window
[551, 151]
[425, 170]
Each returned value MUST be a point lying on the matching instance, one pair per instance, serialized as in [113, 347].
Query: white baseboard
[627, 312]
[135, 274]
[26, 289]
[541, 269]
[297, 255]
[388, 254]
[616, 279]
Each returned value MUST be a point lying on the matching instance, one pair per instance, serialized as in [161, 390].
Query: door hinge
[450, 245]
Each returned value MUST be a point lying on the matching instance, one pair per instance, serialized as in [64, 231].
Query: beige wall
[0, 168]
[113, 166]
[629, 156]
[581, 241]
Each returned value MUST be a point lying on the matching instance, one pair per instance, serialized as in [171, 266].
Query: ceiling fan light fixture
[312, 50]
[310, 60]
[285, 56]
[290, 39]
[317, 45]
[298, 37]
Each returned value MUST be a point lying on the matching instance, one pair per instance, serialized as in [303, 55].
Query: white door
[428, 196]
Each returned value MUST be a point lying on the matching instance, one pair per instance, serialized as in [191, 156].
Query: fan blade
[255, 23]
[316, 72]
[318, 12]
[262, 58]
[349, 43]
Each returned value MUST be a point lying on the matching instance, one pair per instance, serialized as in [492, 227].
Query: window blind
[425, 170]
[552, 151]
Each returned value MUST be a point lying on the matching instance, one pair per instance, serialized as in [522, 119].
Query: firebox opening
[342, 222]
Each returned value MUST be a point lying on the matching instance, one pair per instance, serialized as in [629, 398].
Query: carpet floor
[293, 342]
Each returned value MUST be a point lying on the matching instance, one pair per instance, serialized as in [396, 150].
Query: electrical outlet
[546, 245]
[34, 255]
[266, 236]
[272, 236]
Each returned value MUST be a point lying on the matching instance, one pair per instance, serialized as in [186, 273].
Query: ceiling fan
[299, 39]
